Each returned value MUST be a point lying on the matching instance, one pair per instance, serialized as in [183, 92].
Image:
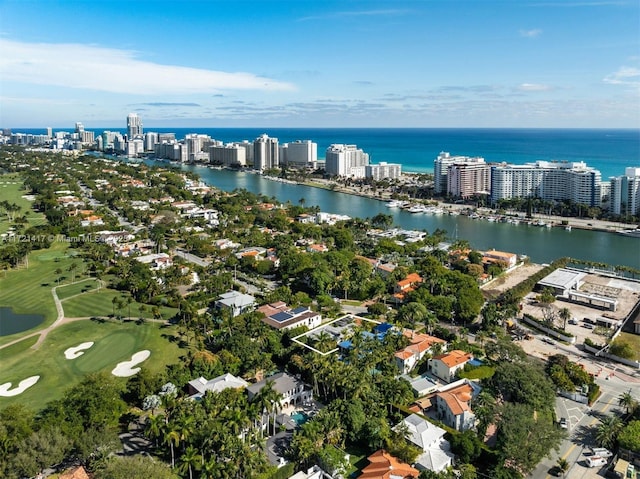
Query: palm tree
[563, 465]
[565, 315]
[171, 437]
[608, 430]
[154, 427]
[190, 459]
[627, 401]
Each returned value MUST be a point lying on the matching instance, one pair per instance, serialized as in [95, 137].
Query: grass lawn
[114, 342]
[11, 191]
[100, 303]
[28, 289]
[66, 291]
[633, 340]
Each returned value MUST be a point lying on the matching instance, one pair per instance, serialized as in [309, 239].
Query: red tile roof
[383, 465]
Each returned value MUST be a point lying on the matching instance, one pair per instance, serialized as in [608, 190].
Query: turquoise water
[299, 418]
[609, 151]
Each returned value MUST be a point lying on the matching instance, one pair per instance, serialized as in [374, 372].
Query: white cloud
[533, 33]
[624, 76]
[118, 71]
[533, 87]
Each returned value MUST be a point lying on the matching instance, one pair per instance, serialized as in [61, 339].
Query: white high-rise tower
[134, 126]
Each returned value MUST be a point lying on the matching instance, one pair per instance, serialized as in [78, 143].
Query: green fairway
[28, 289]
[11, 190]
[114, 342]
[67, 291]
[100, 303]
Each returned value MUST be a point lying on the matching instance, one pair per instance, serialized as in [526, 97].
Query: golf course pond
[12, 322]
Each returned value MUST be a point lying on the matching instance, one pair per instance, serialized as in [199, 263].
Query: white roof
[422, 432]
[218, 384]
[562, 278]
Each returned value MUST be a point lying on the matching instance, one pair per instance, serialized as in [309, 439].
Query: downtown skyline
[553, 64]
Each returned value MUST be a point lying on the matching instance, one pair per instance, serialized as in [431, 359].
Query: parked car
[596, 461]
[564, 424]
[548, 340]
[601, 451]
[588, 326]
[573, 321]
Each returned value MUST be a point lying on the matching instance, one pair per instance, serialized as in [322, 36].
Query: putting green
[114, 342]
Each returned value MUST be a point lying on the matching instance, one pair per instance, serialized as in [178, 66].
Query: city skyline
[555, 64]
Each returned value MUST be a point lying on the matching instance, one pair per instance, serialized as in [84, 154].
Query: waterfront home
[383, 465]
[453, 404]
[235, 302]
[278, 315]
[509, 260]
[445, 366]
[429, 438]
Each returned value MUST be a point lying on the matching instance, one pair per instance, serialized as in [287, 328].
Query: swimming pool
[300, 418]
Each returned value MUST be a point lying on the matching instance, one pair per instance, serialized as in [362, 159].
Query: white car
[596, 461]
[601, 451]
[563, 423]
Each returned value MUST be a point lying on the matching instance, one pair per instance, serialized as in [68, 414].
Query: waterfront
[542, 245]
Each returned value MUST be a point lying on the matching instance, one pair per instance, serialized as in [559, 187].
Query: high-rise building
[299, 154]
[441, 169]
[265, 153]
[346, 160]
[231, 154]
[49, 132]
[383, 170]
[134, 126]
[468, 179]
[625, 193]
[552, 181]
[150, 140]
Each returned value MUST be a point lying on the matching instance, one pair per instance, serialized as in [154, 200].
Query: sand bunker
[6, 391]
[126, 369]
[77, 351]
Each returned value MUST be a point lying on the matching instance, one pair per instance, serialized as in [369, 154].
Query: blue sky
[307, 63]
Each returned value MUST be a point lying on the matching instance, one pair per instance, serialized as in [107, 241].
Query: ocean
[609, 151]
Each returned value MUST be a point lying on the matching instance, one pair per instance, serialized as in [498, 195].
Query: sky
[321, 63]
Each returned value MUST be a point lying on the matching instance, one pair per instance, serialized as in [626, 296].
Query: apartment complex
[231, 154]
[346, 160]
[553, 181]
[468, 179]
[441, 169]
[383, 170]
[134, 125]
[265, 153]
[624, 196]
[299, 154]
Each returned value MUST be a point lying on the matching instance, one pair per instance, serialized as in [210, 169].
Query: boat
[634, 233]
[395, 203]
[568, 228]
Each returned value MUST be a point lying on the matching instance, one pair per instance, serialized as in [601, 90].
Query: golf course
[50, 306]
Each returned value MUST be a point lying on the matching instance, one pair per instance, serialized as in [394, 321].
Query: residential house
[453, 404]
[445, 366]
[255, 252]
[509, 260]
[383, 465]
[280, 316]
[113, 237]
[198, 387]
[292, 390]
[306, 218]
[235, 302]
[156, 261]
[314, 472]
[405, 286]
[78, 472]
[420, 345]
[429, 438]
[92, 220]
[317, 248]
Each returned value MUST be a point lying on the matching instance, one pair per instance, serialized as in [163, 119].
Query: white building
[265, 153]
[441, 168]
[624, 196]
[230, 154]
[235, 302]
[383, 170]
[150, 140]
[198, 387]
[429, 438]
[134, 125]
[299, 154]
[292, 390]
[346, 160]
[553, 181]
